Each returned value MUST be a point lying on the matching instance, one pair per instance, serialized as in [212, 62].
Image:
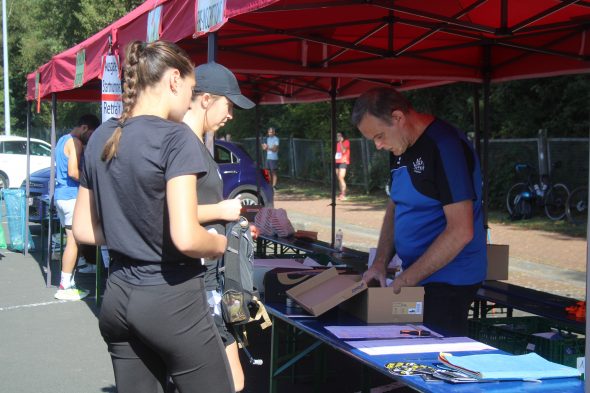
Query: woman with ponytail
[138, 195]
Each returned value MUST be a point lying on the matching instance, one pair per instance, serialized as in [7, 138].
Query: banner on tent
[111, 88]
[80, 63]
[209, 14]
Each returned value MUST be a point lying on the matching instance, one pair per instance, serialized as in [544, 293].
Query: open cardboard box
[326, 290]
[381, 305]
[497, 262]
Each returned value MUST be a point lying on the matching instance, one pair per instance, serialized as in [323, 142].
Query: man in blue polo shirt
[434, 219]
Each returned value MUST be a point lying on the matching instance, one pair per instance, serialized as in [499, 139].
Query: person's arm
[274, 148]
[187, 234]
[227, 210]
[73, 149]
[344, 146]
[86, 224]
[385, 248]
[457, 234]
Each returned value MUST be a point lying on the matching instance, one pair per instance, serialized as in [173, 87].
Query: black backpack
[240, 301]
[523, 209]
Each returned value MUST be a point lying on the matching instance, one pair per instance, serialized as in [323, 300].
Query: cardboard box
[381, 305]
[497, 262]
[278, 281]
[326, 290]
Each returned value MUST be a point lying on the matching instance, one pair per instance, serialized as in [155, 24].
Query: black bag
[240, 302]
[523, 209]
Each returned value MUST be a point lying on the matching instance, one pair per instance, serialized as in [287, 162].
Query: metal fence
[310, 159]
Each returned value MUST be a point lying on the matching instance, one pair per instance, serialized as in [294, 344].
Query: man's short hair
[379, 102]
[88, 120]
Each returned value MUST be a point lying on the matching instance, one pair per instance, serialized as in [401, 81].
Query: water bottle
[338, 241]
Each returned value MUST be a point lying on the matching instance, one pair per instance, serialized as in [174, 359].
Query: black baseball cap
[214, 78]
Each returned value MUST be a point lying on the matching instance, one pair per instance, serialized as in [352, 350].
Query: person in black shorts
[138, 194]
[216, 93]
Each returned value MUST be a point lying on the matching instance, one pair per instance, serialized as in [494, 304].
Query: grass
[539, 222]
[311, 190]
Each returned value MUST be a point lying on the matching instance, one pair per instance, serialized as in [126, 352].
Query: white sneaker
[87, 269]
[72, 293]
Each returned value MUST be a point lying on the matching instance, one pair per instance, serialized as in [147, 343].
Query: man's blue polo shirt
[441, 168]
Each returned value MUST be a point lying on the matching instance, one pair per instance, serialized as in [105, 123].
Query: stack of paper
[507, 367]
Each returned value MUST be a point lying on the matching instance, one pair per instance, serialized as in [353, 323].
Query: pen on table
[421, 331]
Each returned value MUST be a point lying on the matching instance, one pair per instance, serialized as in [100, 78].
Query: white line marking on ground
[32, 305]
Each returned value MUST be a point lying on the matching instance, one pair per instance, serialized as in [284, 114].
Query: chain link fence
[310, 160]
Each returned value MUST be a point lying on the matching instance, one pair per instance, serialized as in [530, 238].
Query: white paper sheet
[310, 262]
[376, 331]
[286, 263]
[424, 345]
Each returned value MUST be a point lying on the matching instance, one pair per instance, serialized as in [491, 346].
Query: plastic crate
[516, 336]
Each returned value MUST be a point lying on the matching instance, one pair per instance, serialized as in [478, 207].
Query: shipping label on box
[381, 305]
[406, 308]
[326, 290]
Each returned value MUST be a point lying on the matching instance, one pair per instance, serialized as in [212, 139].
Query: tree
[40, 29]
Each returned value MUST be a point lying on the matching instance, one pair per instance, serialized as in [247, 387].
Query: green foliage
[40, 29]
[560, 105]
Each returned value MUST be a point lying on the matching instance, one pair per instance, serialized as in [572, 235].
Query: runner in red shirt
[342, 161]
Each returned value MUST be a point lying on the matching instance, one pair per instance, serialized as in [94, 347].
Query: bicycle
[577, 205]
[523, 197]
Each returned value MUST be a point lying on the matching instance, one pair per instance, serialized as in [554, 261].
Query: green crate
[516, 336]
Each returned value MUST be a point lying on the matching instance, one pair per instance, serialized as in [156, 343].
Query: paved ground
[546, 261]
[53, 346]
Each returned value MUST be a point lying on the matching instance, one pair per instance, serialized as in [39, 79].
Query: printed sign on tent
[154, 24]
[209, 14]
[80, 61]
[111, 88]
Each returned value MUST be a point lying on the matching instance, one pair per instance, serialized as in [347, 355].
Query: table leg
[274, 354]
[365, 379]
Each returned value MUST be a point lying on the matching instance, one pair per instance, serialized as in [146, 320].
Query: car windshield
[39, 149]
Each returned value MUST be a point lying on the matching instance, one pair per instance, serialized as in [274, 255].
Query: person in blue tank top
[68, 154]
[434, 219]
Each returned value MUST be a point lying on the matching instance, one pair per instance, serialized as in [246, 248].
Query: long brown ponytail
[145, 64]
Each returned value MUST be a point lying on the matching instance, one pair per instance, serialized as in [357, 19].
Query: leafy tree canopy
[39, 29]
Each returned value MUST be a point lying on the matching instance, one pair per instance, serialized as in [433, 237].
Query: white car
[13, 159]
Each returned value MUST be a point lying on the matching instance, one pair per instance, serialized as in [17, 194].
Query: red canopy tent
[460, 40]
[285, 46]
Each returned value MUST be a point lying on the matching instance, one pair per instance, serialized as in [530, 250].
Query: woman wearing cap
[139, 193]
[216, 93]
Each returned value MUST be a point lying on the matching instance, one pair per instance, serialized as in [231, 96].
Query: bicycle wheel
[555, 201]
[514, 194]
[577, 205]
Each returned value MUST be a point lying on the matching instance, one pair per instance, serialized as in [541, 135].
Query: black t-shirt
[210, 183]
[209, 192]
[130, 195]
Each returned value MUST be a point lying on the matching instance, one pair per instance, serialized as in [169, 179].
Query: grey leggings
[157, 331]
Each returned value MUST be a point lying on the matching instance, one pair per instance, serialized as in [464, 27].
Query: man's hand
[230, 209]
[397, 286]
[376, 273]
